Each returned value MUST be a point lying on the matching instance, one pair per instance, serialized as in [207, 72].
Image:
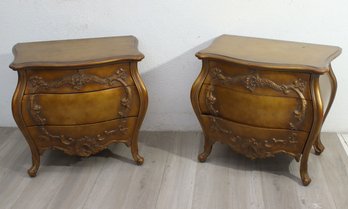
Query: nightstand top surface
[75, 53]
[268, 53]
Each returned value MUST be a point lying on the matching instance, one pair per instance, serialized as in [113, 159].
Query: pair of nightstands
[259, 96]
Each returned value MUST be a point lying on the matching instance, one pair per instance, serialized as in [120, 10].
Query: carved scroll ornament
[78, 80]
[85, 145]
[253, 81]
[251, 147]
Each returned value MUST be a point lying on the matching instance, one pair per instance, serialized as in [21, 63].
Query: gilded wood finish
[81, 80]
[286, 113]
[70, 112]
[262, 105]
[79, 108]
[83, 140]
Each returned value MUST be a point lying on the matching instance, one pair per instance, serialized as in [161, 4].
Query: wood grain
[170, 178]
[277, 54]
[255, 110]
[80, 108]
[68, 85]
[75, 53]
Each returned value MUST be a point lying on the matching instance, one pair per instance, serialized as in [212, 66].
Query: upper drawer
[80, 108]
[260, 82]
[81, 80]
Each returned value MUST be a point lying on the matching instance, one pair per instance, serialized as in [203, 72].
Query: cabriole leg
[208, 146]
[135, 153]
[316, 127]
[35, 162]
[304, 170]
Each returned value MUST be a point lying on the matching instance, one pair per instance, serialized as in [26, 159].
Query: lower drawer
[254, 142]
[83, 140]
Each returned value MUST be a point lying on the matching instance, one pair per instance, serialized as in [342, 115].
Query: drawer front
[256, 110]
[83, 140]
[260, 82]
[255, 142]
[81, 80]
[80, 108]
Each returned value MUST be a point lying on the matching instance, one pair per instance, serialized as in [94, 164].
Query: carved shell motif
[85, 145]
[251, 147]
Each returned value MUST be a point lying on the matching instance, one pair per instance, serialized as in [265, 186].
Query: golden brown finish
[75, 53]
[236, 77]
[73, 81]
[251, 108]
[83, 140]
[318, 146]
[274, 54]
[79, 96]
[242, 138]
[262, 97]
[80, 108]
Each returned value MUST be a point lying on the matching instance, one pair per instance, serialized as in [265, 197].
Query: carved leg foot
[137, 158]
[35, 166]
[318, 146]
[306, 180]
[208, 146]
[33, 170]
[304, 171]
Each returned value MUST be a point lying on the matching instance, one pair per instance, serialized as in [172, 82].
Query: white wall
[169, 33]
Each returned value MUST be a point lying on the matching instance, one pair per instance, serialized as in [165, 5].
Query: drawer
[78, 80]
[80, 108]
[261, 82]
[83, 140]
[256, 110]
[255, 142]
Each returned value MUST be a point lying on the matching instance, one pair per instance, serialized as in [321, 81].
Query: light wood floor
[171, 177]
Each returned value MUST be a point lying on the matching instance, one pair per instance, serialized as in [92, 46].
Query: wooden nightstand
[79, 96]
[262, 97]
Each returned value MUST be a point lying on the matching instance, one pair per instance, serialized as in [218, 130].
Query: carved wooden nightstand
[262, 97]
[79, 96]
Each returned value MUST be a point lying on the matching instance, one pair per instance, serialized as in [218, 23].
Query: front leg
[208, 146]
[135, 153]
[316, 127]
[35, 162]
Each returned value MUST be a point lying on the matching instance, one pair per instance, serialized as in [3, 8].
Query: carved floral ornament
[85, 145]
[252, 147]
[78, 80]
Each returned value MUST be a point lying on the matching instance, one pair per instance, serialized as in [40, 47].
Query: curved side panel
[195, 91]
[318, 145]
[143, 103]
[17, 114]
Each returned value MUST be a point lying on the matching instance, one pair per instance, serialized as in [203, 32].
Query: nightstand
[262, 97]
[79, 96]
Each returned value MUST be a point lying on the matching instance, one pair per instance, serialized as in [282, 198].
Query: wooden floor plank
[171, 177]
[212, 186]
[55, 168]
[344, 140]
[145, 184]
[13, 161]
[179, 176]
[334, 163]
[112, 185]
